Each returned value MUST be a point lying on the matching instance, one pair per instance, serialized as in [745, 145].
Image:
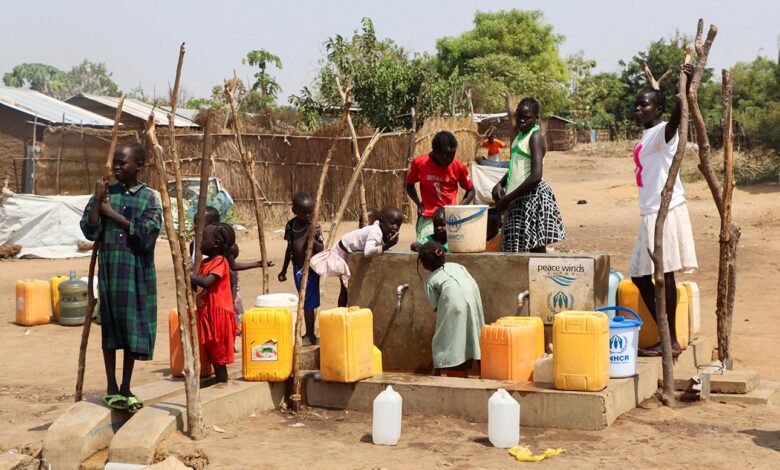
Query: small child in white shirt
[372, 240]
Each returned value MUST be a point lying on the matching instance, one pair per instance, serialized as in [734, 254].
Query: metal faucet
[521, 299]
[400, 291]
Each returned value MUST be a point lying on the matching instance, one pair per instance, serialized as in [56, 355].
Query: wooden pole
[729, 235]
[721, 194]
[355, 158]
[187, 310]
[356, 176]
[295, 397]
[246, 161]
[658, 247]
[84, 157]
[59, 153]
[92, 301]
[205, 173]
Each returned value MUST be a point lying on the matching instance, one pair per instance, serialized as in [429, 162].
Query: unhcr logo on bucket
[617, 349]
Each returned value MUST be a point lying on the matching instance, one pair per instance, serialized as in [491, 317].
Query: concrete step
[728, 382]
[767, 392]
[541, 405]
[137, 441]
[89, 425]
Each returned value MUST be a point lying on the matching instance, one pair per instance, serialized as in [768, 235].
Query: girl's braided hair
[225, 237]
[432, 255]
[529, 103]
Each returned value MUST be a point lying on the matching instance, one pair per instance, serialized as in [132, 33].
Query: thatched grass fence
[284, 164]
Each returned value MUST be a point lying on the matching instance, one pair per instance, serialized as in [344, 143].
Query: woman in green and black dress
[533, 220]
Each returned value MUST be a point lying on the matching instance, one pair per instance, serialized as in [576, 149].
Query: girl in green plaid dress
[126, 227]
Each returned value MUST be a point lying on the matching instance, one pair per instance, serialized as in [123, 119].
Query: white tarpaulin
[485, 178]
[45, 226]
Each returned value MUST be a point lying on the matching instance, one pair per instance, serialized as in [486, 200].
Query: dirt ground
[38, 377]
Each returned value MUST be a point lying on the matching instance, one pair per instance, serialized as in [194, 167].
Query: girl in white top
[372, 240]
[653, 156]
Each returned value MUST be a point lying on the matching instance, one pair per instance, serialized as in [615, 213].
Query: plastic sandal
[134, 404]
[116, 402]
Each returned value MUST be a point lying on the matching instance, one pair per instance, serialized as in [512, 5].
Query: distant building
[24, 114]
[134, 112]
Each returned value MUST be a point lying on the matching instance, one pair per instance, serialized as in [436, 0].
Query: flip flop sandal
[649, 353]
[134, 404]
[116, 402]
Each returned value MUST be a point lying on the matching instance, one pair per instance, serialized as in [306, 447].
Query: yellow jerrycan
[346, 344]
[508, 351]
[55, 295]
[538, 325]
[33, 302]
[581, 351]
[628, 296]
[267, 350]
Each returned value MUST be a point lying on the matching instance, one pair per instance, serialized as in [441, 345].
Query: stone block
[138, 439]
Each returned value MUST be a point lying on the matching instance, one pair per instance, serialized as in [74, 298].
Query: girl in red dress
[216, 318]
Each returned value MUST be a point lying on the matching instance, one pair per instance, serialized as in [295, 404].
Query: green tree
[91, 77]
[44, 78]
[265, 84]
[592, 95]
[386, 82]
[513, 51]
[661, 55]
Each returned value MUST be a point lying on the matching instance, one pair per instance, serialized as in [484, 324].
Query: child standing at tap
[372, 240]
[296, 234]
[216, 318]
[454, 296]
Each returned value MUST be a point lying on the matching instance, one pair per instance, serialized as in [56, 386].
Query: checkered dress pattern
[126, 276]
[533, 220]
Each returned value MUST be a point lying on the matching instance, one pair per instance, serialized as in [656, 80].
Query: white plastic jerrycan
[503, 420]
[386, 426]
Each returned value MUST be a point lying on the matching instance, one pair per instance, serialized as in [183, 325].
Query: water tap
[521, 299]
[401, 290]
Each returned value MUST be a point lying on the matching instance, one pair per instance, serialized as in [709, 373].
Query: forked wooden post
[93, 259]
[187, 311]
[355, 156]
[295, 397]
[657, 254]
[357, 175]
[246, 162]
[721, 194]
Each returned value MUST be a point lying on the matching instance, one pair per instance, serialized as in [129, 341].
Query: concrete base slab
[97, 461]
[138, 439]
[540, 404]
[88, 426]
[730, 382]
[766, 393]
[697, 354]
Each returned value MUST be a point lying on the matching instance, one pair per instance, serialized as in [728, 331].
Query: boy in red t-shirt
[493, 148]
[439, 175]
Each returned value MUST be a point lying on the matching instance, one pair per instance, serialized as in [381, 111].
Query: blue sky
[138, 40]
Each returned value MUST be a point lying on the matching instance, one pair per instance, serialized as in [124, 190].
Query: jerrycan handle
[620, 309]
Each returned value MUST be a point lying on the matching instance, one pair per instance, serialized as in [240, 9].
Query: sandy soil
[38, 377]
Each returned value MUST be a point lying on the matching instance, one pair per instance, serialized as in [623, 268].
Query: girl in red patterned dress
[216, 317]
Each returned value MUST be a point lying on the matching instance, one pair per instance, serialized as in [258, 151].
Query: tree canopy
[508, 51]
[87, 77]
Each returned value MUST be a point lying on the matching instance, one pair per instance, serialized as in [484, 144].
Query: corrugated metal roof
[49, 109]
[186, 113]
[140, 110]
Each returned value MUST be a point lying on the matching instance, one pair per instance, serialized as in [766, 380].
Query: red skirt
[217, 333]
